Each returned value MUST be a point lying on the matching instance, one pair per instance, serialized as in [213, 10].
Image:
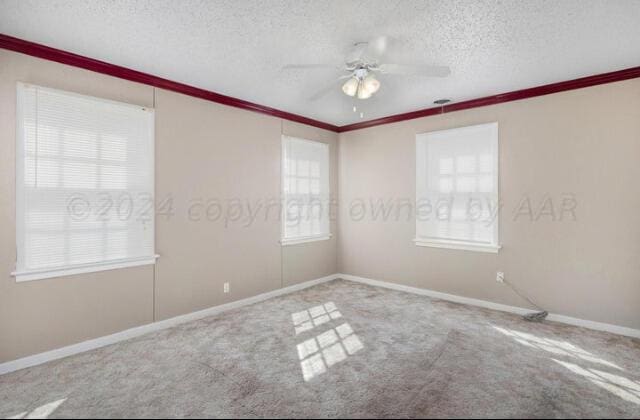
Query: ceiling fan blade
[308, 66]
[369, 51]
[377, 47]
[324, 91]
[419, 70]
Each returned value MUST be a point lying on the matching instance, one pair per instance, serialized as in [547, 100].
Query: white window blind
[457, 188]
[85, 184]
[305, 184]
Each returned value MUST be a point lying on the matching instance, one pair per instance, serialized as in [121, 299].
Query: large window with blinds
[457, 188]
[305, 189]
[84, 184]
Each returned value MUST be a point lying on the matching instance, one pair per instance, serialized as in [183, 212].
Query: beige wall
[204, 151]
[211, 153]
[584, 142]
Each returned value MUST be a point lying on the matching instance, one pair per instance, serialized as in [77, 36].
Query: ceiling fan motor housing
[361, 72]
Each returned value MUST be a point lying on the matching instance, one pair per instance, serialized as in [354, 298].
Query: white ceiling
[238, 47]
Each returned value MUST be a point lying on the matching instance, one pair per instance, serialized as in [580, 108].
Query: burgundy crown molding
[599, 79]
[71, 59]
[64, 57]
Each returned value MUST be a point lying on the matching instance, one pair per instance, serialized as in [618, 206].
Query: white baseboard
[593, 325]
[95, 343]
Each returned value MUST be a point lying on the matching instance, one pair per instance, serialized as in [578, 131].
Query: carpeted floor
[342, 349]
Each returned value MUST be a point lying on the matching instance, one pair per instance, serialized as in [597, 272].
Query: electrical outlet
[226, 287]
[500, 277]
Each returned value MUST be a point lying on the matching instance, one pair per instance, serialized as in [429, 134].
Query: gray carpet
[342, 349]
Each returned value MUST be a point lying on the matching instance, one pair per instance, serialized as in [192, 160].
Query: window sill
[464, 246]
[31, 275]
[296, 241]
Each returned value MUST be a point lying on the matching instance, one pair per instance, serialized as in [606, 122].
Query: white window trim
[46, 273]
[31, 275]
[304, 240]
[467, 245]
[463, 246]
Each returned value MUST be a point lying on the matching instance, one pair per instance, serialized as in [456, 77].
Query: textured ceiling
[238, 47]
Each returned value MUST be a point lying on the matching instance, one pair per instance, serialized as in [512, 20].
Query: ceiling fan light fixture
[371, 83]
[363, 92]
[350, 87]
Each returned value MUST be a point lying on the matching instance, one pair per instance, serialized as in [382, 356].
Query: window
[457, 188]
[305, 186]
[84, 184]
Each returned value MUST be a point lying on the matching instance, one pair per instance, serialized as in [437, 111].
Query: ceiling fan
[364, 64]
